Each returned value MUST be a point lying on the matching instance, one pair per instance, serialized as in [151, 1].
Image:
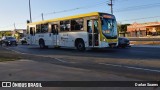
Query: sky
[15, 13]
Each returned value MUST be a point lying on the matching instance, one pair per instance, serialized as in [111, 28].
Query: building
[143, 29]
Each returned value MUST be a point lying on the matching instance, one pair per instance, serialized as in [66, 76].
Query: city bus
[91, 30]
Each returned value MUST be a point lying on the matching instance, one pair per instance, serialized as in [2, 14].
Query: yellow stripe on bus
[66, 18]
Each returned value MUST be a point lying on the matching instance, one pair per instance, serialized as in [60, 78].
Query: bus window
[54, 29]
[32, 31]
[65, 25]
[38, 28]
[77, 24]
[89, 26]
[44, 28]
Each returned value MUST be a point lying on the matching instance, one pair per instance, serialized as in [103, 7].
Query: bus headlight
[104, 40]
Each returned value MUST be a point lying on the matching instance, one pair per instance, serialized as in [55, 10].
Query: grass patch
[9, 56]
[7, 59]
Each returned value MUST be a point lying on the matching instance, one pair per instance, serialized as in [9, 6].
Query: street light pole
[30, 12]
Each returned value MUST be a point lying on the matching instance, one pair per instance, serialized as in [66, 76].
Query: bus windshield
[109, 28]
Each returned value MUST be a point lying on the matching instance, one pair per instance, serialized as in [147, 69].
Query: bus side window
[65, 25]
[89, 26]
[44, 28]
[62, 27]
[77, 24]
[55, 29]
[38, 28]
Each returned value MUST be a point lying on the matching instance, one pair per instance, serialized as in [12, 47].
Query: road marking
[111, 65]
[61, 60]
[136, 68]
[145, 69]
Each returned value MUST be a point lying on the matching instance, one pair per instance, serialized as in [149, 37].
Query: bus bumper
[112, 45]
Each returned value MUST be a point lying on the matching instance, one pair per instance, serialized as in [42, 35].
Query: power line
[73, 9]
[138, 7]
[140, 18]
[84, 7]
[99, 4]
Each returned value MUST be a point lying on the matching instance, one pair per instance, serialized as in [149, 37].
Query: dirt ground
[6, 55]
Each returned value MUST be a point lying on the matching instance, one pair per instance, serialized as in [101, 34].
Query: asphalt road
[136, 62]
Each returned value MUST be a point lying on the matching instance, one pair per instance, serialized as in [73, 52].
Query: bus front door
[93, 33]
[55, 34]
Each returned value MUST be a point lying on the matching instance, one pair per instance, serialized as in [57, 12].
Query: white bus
[91, 30]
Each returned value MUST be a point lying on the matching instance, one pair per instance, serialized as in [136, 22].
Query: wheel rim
[80, 46]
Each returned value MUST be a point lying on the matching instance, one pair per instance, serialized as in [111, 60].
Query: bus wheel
[42, 44]
[80, 45]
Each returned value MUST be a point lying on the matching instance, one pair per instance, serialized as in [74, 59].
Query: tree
[5, 33]
[122, 29]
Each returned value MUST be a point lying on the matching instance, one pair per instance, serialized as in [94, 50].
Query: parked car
[23, 40]
[9, 41]
[123, 42]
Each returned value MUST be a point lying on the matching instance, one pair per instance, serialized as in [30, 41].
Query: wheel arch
[41, 39]
[78, 40]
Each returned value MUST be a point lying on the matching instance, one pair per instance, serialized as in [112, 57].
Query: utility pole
[111, 5]
[42, 17]
[30, 12]
[14, 26]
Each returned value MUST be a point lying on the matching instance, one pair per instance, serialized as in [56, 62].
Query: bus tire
[80, 45]
[42, 44]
